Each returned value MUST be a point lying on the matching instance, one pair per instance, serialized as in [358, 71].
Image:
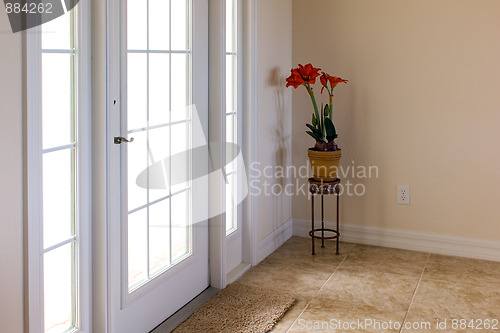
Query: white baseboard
[275, 239]
[410, 240]
[237, 272]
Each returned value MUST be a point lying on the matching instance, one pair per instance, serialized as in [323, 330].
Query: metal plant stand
[324, 188]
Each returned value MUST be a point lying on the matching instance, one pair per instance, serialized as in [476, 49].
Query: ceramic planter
[324, 164]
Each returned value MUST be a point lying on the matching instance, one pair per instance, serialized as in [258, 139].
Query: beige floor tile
[386, 260]
[293, 279]
[297, 251]
[292, 268]
[302, 245]
[463, 270]
[376, 283]
[438, 300]
[372, 288]
[284, 324]
[326, 315]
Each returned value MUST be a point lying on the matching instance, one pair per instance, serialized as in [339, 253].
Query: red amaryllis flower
[334, 80]
[302, 75]
[295, 79]
[308, 73]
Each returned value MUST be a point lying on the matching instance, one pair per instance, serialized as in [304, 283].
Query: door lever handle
[120, 139]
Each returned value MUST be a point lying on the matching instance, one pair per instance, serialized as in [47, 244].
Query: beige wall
[274, 105]
[11, 183]
[422, 104]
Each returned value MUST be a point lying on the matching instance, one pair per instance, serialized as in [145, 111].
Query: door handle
[120, 139]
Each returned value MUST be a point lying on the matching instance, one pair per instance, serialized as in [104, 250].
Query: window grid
[231, 114]
[72, 241]
[170, 123]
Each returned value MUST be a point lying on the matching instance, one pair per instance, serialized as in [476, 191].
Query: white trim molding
[409, 240]
[250, 140]
[275, 239]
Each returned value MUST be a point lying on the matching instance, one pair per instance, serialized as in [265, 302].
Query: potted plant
[325, 155]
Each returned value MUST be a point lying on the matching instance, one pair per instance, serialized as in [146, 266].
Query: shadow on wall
[277, 82]
[281, 202]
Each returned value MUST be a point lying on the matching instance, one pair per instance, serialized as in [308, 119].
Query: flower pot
[324, 164]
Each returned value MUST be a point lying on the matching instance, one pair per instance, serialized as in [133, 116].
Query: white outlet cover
[404, 194]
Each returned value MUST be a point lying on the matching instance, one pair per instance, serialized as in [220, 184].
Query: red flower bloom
[295, 79]
[302, 75]
[334, 80]
[308, 73]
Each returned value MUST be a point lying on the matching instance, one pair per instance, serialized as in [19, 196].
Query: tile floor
[385, 289]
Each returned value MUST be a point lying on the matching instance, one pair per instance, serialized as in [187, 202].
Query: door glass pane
[137, 92]
[230, 25]
[58, 196]
[230, 83]
[180, 86]
[159, 170]
[56, 34]
[159, 236]
[179, 164]
[57, 116]
[137, 248]
[230, 220]
[137, 24]
[180, 23]
[137, 163]
[159, 93]
[159, 24]
[230, 138]
[58, 289]
[180, 225]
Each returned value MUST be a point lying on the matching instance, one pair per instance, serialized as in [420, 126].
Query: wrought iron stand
[324, 188]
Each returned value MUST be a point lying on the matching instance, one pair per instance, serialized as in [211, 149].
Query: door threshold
[237, 272]
[187, 310]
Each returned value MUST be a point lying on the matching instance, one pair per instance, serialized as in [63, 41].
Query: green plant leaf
[327, 110]
[314, 129]
[331, 133]
[322, 123]
[316, 115]
[314, 120]
[314, 135]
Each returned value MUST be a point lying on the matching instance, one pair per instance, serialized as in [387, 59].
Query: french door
[157, 201]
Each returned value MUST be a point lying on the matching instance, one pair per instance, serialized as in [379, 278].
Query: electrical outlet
[404, 194]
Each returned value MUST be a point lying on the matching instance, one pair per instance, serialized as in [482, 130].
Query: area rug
[239, 308]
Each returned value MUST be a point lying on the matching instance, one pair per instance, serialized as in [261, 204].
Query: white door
[158, 210]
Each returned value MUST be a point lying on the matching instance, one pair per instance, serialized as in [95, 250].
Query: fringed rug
[239, 308]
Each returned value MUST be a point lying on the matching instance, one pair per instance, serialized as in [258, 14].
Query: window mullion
[60, 244]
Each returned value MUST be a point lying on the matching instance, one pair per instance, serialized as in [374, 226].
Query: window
[58, 176]
[231, 114]
[158, 93]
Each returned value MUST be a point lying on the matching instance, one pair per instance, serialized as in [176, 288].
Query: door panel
[158, 258]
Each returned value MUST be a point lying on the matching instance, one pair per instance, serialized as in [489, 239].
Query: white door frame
[102, 104]
[217, 129]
